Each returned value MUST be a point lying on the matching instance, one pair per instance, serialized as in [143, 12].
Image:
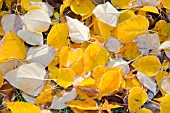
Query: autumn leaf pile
[89, 56]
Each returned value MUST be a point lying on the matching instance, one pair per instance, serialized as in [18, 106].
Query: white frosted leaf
[43, 55]
[31, 38]
[29, 78]
[147, 81]
[107, 14]
[78, 32]
[37, 20]
[11, 22]
[113, 44]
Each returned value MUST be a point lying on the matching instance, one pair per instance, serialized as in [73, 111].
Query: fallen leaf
[165, 84]
[166, 4]
[25, 4]
[147, 82]
[147, 42]
[129, 51]
[44, 6]
[165, 104]
[131, 28]
[64, 76]
[151, 9]
[147, 2]
[137, 97]
[163, 32]
[120, 63]
[125, 15]
[159, 77]
[113, 44]
[89, 104]
[121, 3]
[148, 65]
[32, 38]
[105, 29]
[95, 55]
[45, 95]
[37, 20]
[24, 107]
[43, 55]
[78, 32]
[11, 47]
[107, 14]
[82, 7]
[144, 110]
[11, 22]
[1, 79]
[28, 78]
[110, 81]
[57, 36]
[59, 102]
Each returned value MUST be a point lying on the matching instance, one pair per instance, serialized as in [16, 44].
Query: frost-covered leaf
[32, 38]
[28, 78]
[113, 44]
[11, 22]
[107, 14]
[147, 42]
[147, 81]
[44, 6]
[37, 20]
[43, 55]
[78, 32]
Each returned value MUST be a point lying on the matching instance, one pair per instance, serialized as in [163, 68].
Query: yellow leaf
[159, 77]
[165, 104]
[25, 4]
[144, 110]
[95, 55]
[63, 6]
[9, 3]
[121, 3]
[137, 97]
[98, 73]
[131, 28]
[105, 29]
[64, 76]
[57, 36]
[148, 65]
[89, 104]
[63, 56]
[1, 2]
[23, 107]
[82, 7]
[129, 51]
[151, 9]
[132, 82]
[110, 81]
[166, 4]
[163, 32]
[1, 79]
[125, 15]
[36, 0]
[33, 8]
[89, 82]
[45, 95]
[11, 47]
[2, 31]
[78, 67]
